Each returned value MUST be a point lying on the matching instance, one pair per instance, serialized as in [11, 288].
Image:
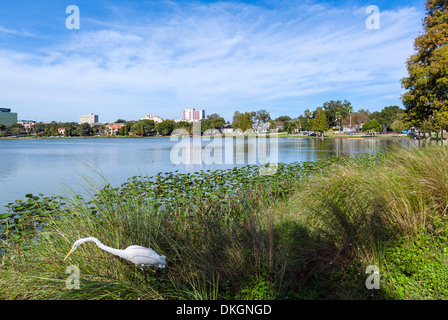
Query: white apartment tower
[193, 115]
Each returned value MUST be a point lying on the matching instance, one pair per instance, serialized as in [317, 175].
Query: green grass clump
[387, 214]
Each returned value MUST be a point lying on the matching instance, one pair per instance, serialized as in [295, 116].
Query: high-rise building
[193, 115]
[7, 118]
[90, 118]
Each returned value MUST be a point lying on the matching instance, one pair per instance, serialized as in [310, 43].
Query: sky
[132, 58]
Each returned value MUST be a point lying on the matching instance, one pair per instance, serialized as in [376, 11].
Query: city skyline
[129, 59]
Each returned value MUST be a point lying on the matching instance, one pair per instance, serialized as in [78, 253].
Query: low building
[155, 118]
[227, 129]
[261, 127]
[114, 129]
[28, 124]
[7, 118]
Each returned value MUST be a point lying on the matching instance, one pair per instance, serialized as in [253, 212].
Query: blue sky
[131, 58]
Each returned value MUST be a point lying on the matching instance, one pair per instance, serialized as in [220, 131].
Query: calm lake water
[58, 166]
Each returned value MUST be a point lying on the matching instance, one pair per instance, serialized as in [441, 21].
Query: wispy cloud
[15, 32]
[220, 56]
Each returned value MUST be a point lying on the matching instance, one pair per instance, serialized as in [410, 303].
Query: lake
[58, 166]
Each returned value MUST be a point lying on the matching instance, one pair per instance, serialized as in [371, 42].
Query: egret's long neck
[102, 246]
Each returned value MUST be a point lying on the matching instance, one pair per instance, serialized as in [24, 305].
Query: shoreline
[285, 136]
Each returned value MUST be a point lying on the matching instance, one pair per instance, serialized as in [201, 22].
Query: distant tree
[70, 129]
[236, 119]
[142, 127]
[262, 116]
[397, 126]
[364, 112]
[290, 126]
[16, 129]
[283, 118]
[335, 110]
[320, 123]
[356, 120]
[183, 125]
[165, 127]
[390, 114]
[371, 127]
[38, 127]
[253, 115]
[121, 131]
[84, 129]
[213, 121]
[120, 121]
[245, 121]
[306, 123]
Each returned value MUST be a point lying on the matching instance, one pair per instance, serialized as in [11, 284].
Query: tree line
[335, 114]
[144, 127]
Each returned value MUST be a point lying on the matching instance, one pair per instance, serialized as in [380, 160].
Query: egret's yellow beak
[72, 249]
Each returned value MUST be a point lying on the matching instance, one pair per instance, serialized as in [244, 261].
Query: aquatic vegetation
[223, 233]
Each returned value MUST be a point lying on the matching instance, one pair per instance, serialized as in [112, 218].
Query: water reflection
[45, 166]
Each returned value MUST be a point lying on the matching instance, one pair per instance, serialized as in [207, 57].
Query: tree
[84, 129]
[283, 118]
[356, 120]
[397, 126]
[245, 121]
[335, 110]
[387, 116]
[262, 116]
[427, 81]
[290, 126]
[236, 119]
[371, 127]
[183, 125]
[213, 121]
[165, 127]
[141, 127]
[320, 123]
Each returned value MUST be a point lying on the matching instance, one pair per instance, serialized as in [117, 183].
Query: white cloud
[15, 32]
[215, 56]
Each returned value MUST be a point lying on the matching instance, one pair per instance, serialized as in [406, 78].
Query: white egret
[141, 256]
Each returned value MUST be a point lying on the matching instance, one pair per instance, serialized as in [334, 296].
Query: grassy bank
[307, 232]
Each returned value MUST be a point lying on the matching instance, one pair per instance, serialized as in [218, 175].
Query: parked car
[305, 133]
[312, 134]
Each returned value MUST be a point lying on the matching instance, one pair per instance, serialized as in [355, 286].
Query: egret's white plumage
[141, 256]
